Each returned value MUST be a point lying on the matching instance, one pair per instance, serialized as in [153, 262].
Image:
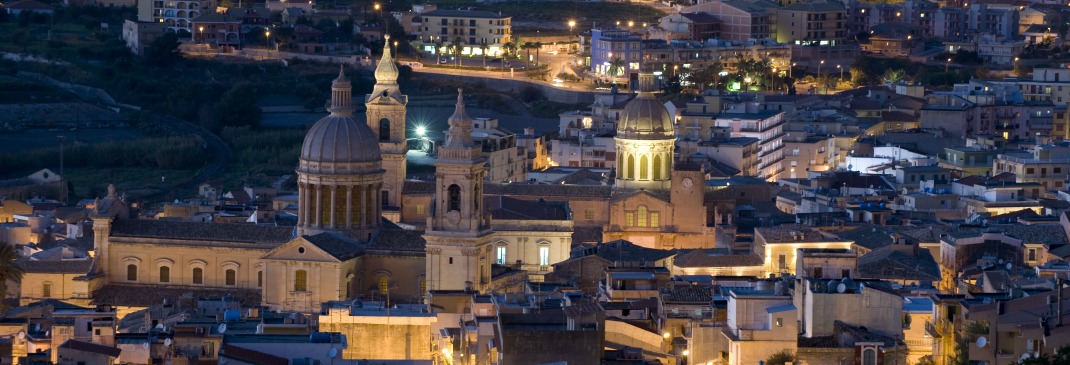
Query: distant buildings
[472, 30]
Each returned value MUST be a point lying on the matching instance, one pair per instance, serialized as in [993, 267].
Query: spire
[341, 94]
[387, 72]
[460, 133]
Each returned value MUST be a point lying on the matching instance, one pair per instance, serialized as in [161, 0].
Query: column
[318, 211]
[300, 204]
[334, 195]
[363, 205]
[349, 206]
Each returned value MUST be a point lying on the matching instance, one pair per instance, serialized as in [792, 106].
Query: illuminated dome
[339, 143]
[645, 118]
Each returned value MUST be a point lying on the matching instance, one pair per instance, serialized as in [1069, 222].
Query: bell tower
[458, 254]
[386, 107]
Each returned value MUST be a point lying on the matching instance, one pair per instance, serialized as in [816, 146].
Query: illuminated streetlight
[571, 24]
[948, 64]
[421, 130]
[665, 335]
[631, 24]
[841, 72]
[200, 30]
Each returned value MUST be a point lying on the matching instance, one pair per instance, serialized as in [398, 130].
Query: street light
[948, 64]
[378, 9]
[1016, 67]
[571, 24]
[200, 33]
[841, 72]
[267, 37]
[792, 68]
[819, 68]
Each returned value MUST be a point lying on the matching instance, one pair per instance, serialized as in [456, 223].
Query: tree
[510, 48]
[780, 358]
[438, 50]
[238, 107]
[8, 269]
[537, 46]
[893, 76]
[455, 45]
[616, 67]
[483, 47]
[163, 51]
[527, 46]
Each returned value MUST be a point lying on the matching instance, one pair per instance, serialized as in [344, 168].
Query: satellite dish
[841, 288]
[1000, 261]
[222, 328]
[167, 342]
[1009, 266]
[1024, 356]
[832, 284]
[22, 335]
[159, 326]
[145, 345]
[332, 353]
[982, 341]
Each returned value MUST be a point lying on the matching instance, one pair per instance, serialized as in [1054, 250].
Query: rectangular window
[420, 209]
[782, 261]
[642, 222]
[588, 214]
[383, 284]
[501, 255]
[260, 279]
[1032, 254]
[301, 280]
[544, 255]
[46, 291]
[655, 219]
[629, 218]
[780, 322]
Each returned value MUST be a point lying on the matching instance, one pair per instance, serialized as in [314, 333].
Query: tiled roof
[899, 262]
[688, 293]
[621, 250]
[417, 187]
[133, 295]
[550, 191]
[503, 207]
[579, 309]
[711, 258]
[250, 356]
[398, 240]
[792, 233]
[80, 266]
[91, 347]
[224, 232]
[338, 247]
[582, 235]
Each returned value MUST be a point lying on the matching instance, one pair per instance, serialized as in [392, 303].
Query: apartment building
[692, 26]
[768, 128]
[969, 160]
[1020, 328]
[742, 20]
[472, 29]
[759, 324]
[505, 162]
[820, 22]
[610, 44]
[982, 111]
[958, 22]
[178, 15]
[1047, 165]
[804, 152]
[1050, 85]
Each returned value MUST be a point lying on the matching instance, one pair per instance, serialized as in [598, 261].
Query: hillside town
[731, 182]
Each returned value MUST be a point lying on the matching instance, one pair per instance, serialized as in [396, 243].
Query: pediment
[300, 249]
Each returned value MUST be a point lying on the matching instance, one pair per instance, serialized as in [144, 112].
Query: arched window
[384, 129]
[641, 216]
[383, 284]
[165, 274]
[198, 276]
[620, 164]
[46, 290]
[131, 272]
[301, 280]
[644, 170]
[657, 166]
[454, 195]
[231, 277]
[630, 172]
[869, 357]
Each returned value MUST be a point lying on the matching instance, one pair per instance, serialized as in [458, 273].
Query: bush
[781, 358]
[530, 94]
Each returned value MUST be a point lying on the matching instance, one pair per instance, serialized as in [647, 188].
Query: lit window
[46, 290]
[642, 216]
[384, 284]
[544, 255]
[501, 255]
[301, 280]
[780, 322]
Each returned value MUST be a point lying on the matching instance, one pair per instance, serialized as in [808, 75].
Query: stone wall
[515, 85]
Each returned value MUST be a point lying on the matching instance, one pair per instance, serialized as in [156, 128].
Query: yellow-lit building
[471, 29]
[778, 246]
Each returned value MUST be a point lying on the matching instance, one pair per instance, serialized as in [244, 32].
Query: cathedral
[460, 233]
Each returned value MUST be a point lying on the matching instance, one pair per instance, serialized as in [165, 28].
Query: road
[555, 62]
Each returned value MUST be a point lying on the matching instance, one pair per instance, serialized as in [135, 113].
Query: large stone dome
[340, 139]
[645, 118]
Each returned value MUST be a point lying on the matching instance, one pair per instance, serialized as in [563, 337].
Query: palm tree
[509, 47]
[456, 46]
[527, 47]
[537, 46]
[438, 51]
[616, 67]
[8, 269]
[483, 47]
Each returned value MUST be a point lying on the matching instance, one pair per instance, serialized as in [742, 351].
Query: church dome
[645, 118]
[340, 139]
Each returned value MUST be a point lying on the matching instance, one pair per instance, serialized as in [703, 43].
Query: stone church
[468, 234]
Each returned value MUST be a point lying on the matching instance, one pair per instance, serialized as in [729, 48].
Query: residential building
[692, 26]
[217, 30]
[1048, 166]
[976, 19]
[768, 128]
[968, 160]
[778, 246]
[505, 162]
[75, 352]
[759, 324]
[534, 147]
[742, 20]
[611, 44]
[816, 22]
[804, 153]
[176, 14]
[377, 331]
[471, 29]
[139, 35]
[823, 302]
[1021, 328]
